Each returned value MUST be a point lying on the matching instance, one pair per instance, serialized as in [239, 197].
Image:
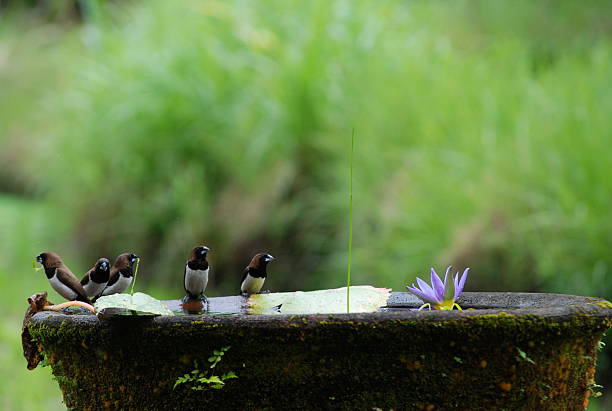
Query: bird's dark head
[102, 264]
[49, 259]
[133, 258]
[40, 258]
[125, 260]
[261, 260]
[199, 253]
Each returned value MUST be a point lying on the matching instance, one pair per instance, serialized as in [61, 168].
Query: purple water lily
[441, 295]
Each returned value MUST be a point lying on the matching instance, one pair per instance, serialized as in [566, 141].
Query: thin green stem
[350, 239]
[135, 272]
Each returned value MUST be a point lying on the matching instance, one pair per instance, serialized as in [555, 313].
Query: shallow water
[240, 305]
[216, 305]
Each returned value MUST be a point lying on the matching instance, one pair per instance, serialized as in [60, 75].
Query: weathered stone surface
[518, 351]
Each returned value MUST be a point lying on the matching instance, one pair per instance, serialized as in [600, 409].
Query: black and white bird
[121, 274]
[61, 278]
[254, 275]
[94, 281]
[195, 277]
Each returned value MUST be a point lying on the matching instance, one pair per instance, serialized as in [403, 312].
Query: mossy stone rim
[400, 306]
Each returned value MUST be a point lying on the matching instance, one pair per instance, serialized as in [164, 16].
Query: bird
[254, 274]
[121, 274]
[61, 278]
[96, 278]
[195, 277]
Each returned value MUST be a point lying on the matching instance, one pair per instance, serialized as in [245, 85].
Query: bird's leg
[188, 297]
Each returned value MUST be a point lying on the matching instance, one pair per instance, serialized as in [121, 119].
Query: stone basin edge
[553, 308]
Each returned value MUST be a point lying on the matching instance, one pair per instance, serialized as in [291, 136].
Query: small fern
[201, 380]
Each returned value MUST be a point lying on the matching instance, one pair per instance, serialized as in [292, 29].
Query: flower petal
[461, 284]
[420, 294]
[449, 286]
[425, 288]
[437, 285]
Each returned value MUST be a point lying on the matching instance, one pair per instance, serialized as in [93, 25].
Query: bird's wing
[67, 278]
[185, 277]
[114, 277]
[244, 274]
[85, 279]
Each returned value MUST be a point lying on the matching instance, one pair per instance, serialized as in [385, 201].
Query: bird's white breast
[196, 280]
[252, 285]
[92, 288]
[61, 288]
[120, 286]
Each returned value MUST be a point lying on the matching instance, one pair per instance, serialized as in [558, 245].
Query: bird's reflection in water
[194, 307]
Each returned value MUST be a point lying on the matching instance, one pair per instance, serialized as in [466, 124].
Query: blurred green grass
[482, 139]
[20, 222]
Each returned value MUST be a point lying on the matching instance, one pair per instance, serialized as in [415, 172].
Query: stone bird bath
[504, 351]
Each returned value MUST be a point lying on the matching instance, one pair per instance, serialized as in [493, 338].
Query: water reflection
[234, 304]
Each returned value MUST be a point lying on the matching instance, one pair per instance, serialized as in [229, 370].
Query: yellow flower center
[447, 305]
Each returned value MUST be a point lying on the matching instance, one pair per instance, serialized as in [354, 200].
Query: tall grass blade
[135, 273]
[350, 239]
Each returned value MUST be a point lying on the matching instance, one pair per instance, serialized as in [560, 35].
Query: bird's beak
[135, 258]
[36, 260]
[269, 258]
[104, 266]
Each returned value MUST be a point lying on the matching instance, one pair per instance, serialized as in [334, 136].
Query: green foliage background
[483, 134]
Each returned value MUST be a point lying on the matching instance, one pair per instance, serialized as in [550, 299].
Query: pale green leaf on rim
[136, 304]
[364, 299]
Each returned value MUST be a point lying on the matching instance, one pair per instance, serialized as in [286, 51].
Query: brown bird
[121, 274]
[96, 278]
[61, 278]
[255, 274]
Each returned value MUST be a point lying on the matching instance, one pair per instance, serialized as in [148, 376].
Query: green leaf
[523, 356]
[139, 303]
[229, 375]
[181, 380]
[210, 380]
[364, 299]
